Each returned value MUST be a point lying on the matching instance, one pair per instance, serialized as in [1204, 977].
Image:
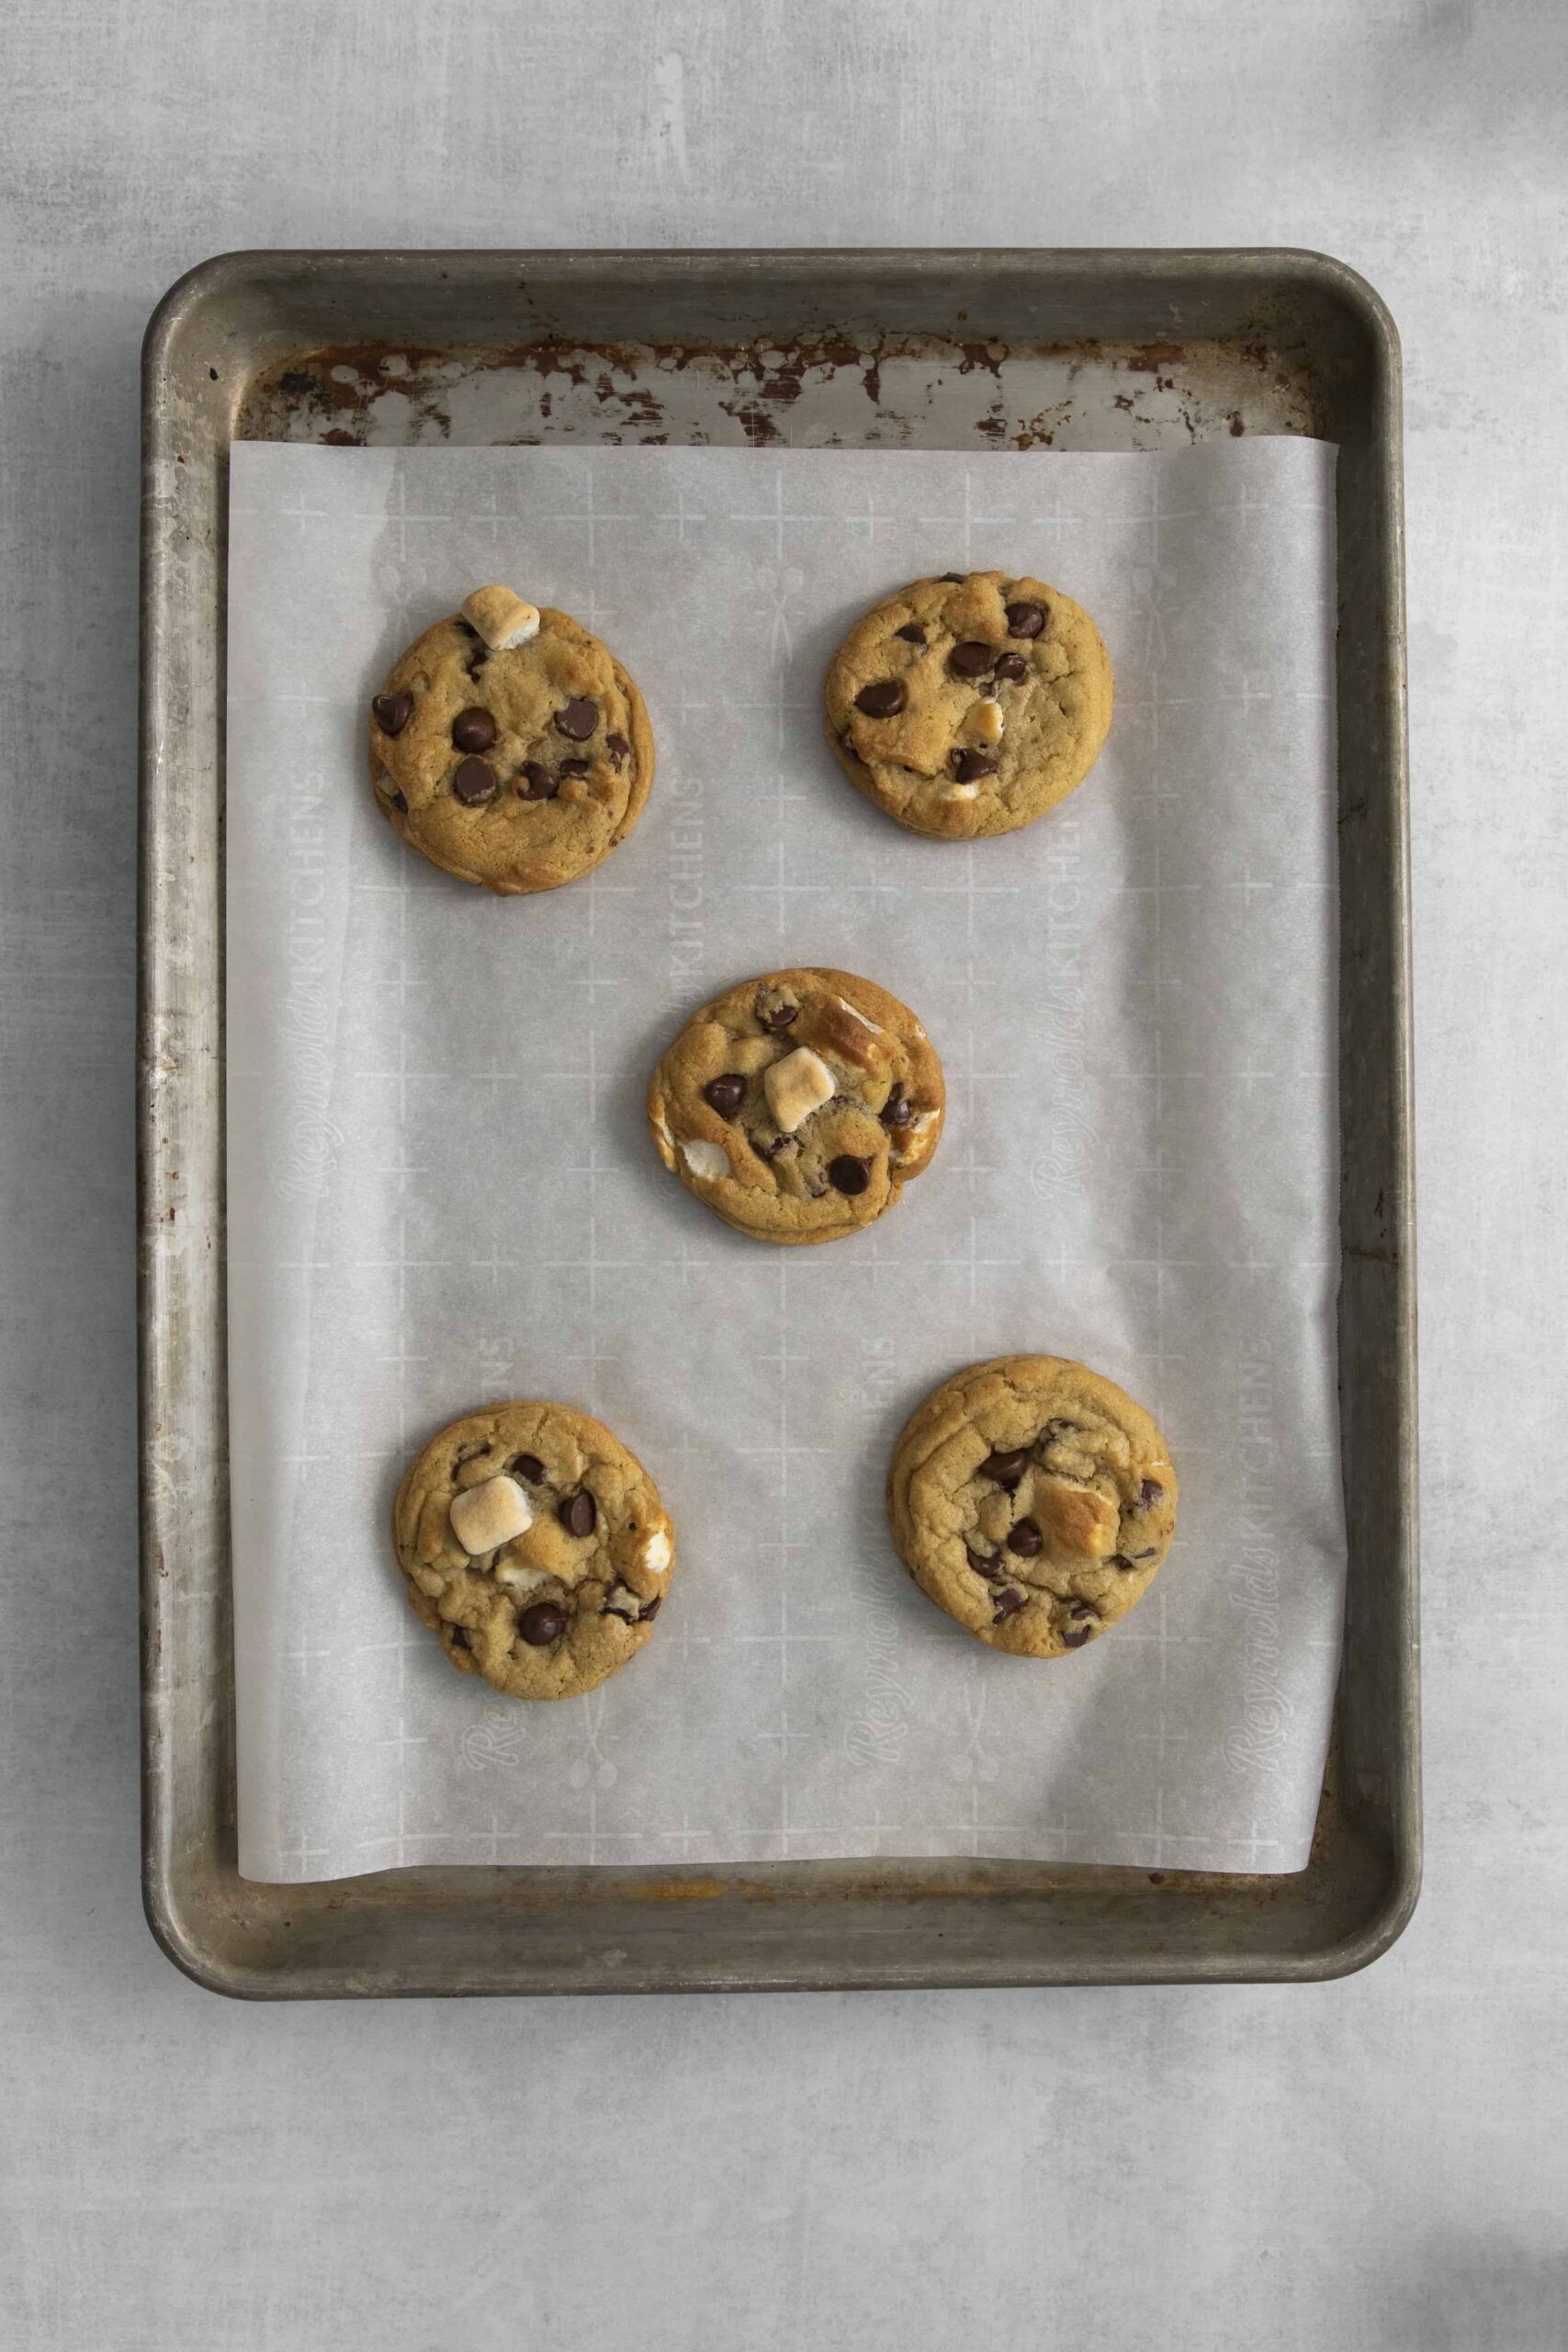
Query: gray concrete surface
[1375, 2164]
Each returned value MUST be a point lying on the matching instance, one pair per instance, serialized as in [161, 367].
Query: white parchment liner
[441, 1191]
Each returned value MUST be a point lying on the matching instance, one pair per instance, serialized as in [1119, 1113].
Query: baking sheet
[440, 1190]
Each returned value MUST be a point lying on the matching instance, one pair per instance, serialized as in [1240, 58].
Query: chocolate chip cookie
[970, 705]
[509, 747]
[535, 1546]
[796, 1106]
[1033, 1501]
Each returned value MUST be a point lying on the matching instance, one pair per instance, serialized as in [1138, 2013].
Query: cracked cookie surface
[519, 764]
[536, 1545]
[970, 705]
[798, 1105]
[1033, 1500]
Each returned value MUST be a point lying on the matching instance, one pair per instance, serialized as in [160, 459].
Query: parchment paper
[441, 1191]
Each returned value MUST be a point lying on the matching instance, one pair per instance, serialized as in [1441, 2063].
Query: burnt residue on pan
[829, 389]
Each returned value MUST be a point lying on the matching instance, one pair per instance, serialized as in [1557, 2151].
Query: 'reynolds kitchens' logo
[312, 1141]
[1058, 1173]
[685, 840]
[1254, 1739]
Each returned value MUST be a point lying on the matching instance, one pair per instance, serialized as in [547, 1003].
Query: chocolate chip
[475, 782]
[1118, 1560]
[1025, 1539]
[1025, 619]
[464, 628]
[1008, 1602]
[537, 783]
[473, 731]
[579, 718]
[620, 751]
[576, 767]
[775, 1015]
[881, 699]
[971, 660]
[1075, 1636]
[1007, 1469]
[898, 1111]
[725, 1093]
[1149, 1492]
[542, 1624]
[848, 1175]
[392, 712]
[458, 1637]
[399, 800]
[1010, 665]
[991, 1569]
[576, 1513]
[911, 633]
[957, 577]
[970, 766]
[477, 661]
[651, 1608]
[1152, 1553]
[529, 1468]
[1083, 1609]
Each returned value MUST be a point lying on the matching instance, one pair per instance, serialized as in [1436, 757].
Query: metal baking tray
[962, 349]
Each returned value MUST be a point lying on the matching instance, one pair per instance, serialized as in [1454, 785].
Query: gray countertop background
[1373, 2164]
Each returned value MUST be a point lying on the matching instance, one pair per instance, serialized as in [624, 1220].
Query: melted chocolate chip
[1010, 665]
[529, 1468]
[1075, 1636]
[1007, 1469]
[883, 699]
[1083, 1609]
[542, 1624]
[1025, 619]
[458, 1637]
[579, 718]
[475, 782]
[473, 731]
[477, 661]
[898, 1111]
[464, 628]
[620, 751]
[399, 800]
[911, 633]
[725, 1093]
[576, 1513]
[1149, 1492]
[848, 1175]
[958, 578]
[970, 766]
[1118, 1560]
[537, 783]
[651, 1608]
[1152, 1553]
[392, 712]
[971, 660]
[991, 1569]
[1008, 1602]
[1025, 1539]
[775, 1016]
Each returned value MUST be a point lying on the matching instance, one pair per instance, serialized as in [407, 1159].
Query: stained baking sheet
[439, 1189]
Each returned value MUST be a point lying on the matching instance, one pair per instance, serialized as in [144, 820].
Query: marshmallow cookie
[508, 746]
[969, 705]
[798, 1105]
[536, 1545]
[1033, 1501]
